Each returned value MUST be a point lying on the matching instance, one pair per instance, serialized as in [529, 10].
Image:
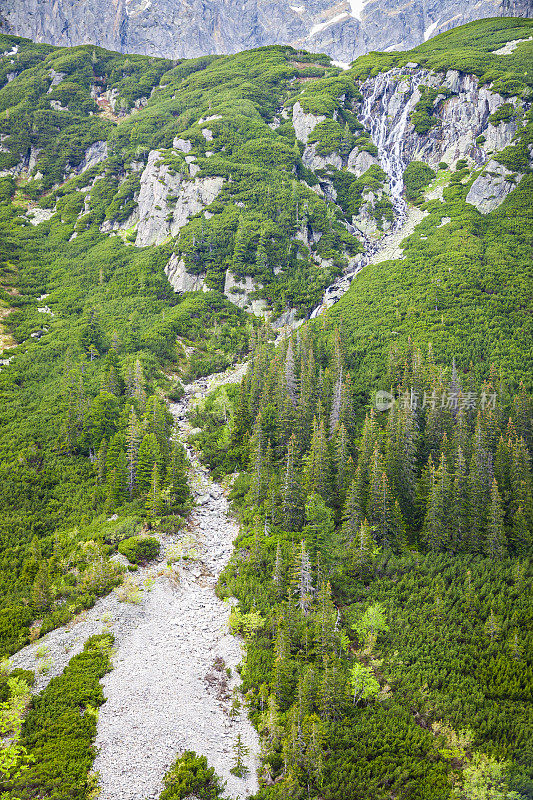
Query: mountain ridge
[174, 29]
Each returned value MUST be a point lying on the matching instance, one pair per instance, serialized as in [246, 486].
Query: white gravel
[158, 701]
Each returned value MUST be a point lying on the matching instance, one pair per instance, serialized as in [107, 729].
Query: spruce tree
[459, 510]
[495, 541]
[291, 503]
[148, 456]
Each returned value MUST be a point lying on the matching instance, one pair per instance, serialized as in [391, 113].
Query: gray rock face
[491, 188]
[238, 292]
[181, 280]
[158, 216]
[517, 8]
[178, 29]
[359, 161]
[391, 97]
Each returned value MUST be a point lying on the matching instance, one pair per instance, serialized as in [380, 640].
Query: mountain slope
[175, 29]
[145, 208]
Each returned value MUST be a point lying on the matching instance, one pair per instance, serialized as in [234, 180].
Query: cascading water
[389, 137]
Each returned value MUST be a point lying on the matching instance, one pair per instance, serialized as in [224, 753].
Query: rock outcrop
[238, 291]
[459, 120]
[181, 280]
[179, 29]
[167, 200]
[303, 123]
[491, 188]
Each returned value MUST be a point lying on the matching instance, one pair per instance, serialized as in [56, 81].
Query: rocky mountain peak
[177, 29]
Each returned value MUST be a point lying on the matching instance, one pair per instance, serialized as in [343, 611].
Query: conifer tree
[325, 619]
[319, 527]
[118, 480]
[343, 465]
[148, 456]
[290, 383]
[302, 577]
[362, 549]
[154, 503]
[521, 483]
[317, 464]
[436, 522]
[101, 459]
[521, 538]
[291, 494]
[354, 508]
[133, 438]
[495, 542]
[260, 476]
[459, 510]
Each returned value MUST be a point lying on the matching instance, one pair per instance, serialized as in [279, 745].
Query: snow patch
[510, 47]
[320, 26]
[298, 9]
[357, 8]
[341, 64]
[428, 33]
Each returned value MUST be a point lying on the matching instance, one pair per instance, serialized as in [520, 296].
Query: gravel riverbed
[169, 690]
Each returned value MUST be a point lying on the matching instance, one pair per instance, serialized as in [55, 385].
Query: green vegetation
[60, 727]
[461, 286]
[469, 48]
[422, 117]
[138, 551]
[383, 563]
[190, 775]
[365, 549]
[416, 177]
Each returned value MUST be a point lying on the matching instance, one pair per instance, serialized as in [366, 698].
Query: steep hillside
[147, 207]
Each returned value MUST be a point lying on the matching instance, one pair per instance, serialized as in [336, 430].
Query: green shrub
[190, 775]
[177, 392]
[139, 549]
[60, 727]
[502, 114]
[416, 177]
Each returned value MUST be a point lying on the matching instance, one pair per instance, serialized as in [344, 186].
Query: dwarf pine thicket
[383, 566]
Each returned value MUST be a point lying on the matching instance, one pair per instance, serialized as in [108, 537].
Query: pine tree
[336, 403]
[319, 527]
[343, 465]
[154, 503]
[133, 438]
[277, 574]
[302, 577]
[354, 508]
[240, 751]
[521, 539]
[495, 542]
[436, 529]
[290, 383]
[260, 476]
[459, 511]
[362, 549]
[317, 464]
[521, 483]
[118, 480]
[148, 456]
[291, 494]
[324, 626]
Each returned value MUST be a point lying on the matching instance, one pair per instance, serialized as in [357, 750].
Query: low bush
[190, 775]
[416, 177]
[138, 550]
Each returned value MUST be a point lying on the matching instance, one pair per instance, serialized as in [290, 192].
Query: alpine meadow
[266, 421]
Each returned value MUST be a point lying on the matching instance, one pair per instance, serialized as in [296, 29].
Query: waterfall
[389, 137]
[388, 134]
